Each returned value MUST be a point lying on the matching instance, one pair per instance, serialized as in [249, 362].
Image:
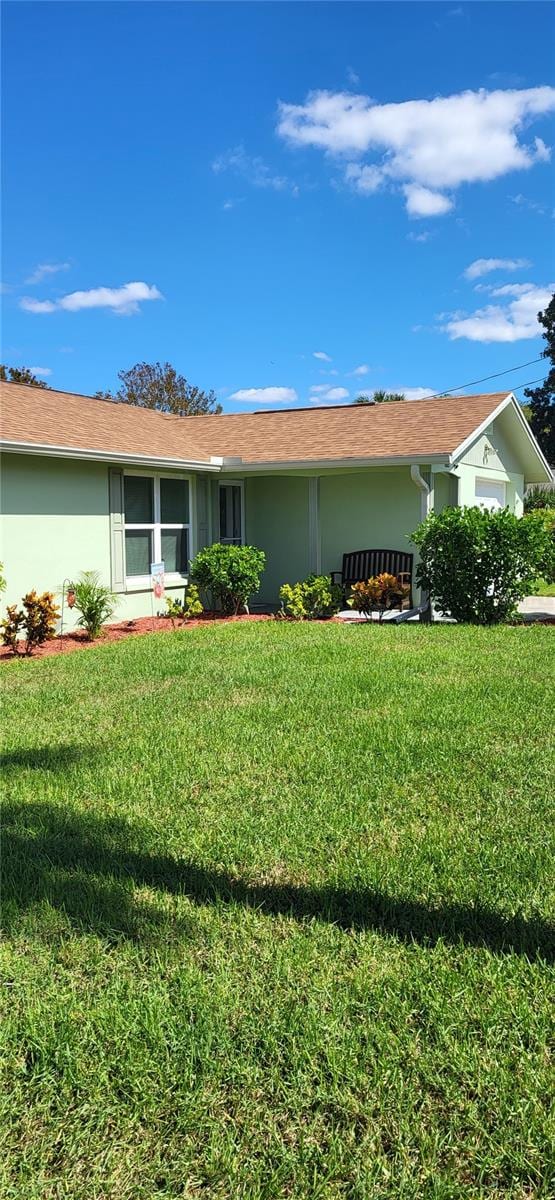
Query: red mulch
[77, 639]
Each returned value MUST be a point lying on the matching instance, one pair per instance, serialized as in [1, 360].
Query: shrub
[545, 518]
[380, 593]
[184, 610]
[539, 498]
[94, 601]
[476, 565]
[11, 626]
[312, 599]
[230, 574]
[37, 619]
[2, 578]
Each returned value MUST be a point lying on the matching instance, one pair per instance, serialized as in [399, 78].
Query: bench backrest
[359, 565]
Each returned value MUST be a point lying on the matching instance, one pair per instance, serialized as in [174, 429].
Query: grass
[278, 907]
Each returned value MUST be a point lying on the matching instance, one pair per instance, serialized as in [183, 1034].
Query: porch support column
[426, 505]
[314, 540]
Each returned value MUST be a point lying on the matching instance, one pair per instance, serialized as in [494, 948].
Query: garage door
[490, 493]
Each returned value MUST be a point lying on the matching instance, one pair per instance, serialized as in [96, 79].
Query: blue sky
[278, 195]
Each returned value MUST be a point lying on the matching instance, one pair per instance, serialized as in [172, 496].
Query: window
[157, 525]
[231, 514]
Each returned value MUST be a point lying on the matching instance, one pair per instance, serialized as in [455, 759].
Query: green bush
[312, 599]
[539, 498]
[37, 619]
[230, 574]
[2, 578]
[94, 601]
[476, 565]
[184, 610]
[545, 517]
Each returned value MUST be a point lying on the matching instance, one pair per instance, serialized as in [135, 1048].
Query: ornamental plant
[539, 497]
[184, 610]
[229, 574]
[95, 602]
[37, 620]
[476, 564]
[380, 593]
[312, 599]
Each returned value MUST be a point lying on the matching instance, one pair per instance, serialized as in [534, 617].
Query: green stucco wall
[277, 520]
[371, 510]
[492, 457]
[55, 523]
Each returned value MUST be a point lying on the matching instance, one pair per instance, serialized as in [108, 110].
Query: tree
[21, 375]
[159, 386]
[542, 398]
[379, 397]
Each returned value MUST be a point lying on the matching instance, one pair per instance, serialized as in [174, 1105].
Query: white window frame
[240, 483]
[139, 583]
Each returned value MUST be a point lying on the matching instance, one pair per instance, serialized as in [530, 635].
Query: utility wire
[485, 378]
[518, 386]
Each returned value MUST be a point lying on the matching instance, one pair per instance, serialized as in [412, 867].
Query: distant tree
[21, 375]
[542, 398]
[379, 397]
[159, 386]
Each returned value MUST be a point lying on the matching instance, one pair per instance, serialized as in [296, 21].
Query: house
[89, 484]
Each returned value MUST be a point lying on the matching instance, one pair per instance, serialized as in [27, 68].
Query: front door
[231, 514]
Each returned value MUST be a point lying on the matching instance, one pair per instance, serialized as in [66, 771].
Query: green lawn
[278, 906]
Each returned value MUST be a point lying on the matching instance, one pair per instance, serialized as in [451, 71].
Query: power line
[518, 386]
[485, 378]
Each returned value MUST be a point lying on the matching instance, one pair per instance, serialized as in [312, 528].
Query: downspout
[426, 500]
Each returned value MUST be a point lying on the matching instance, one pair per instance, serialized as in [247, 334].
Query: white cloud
[266, 395]
[419, 237]
[483, 266]
[511, 322]
[124, 300]
[423, 202]
[45, 269]
[430, 144]
[352, 77]
[362, 370]
[417, 393]
[44, 371]
[321, 355]
[253, 169]
[321, 391]
[532, 205]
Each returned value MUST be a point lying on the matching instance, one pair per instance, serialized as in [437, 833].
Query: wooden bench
[360, 565]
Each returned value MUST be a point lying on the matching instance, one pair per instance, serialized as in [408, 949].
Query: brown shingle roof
[413, 429]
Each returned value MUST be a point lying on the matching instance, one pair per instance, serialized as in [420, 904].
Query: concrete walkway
[533, 608]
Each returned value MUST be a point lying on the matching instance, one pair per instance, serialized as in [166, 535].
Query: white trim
[318, 464]
[509, 401]
[222, 483]
[110, 456]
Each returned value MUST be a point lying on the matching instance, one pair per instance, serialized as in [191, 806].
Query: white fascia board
[314, 464]
[510, 401]
[109, 456]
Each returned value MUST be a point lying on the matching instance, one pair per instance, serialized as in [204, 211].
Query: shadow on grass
[85, 867]
[47, 758]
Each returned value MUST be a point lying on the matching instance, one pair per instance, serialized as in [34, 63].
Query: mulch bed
[77, 639]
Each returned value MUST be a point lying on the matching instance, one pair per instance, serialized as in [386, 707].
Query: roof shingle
[413, 429]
